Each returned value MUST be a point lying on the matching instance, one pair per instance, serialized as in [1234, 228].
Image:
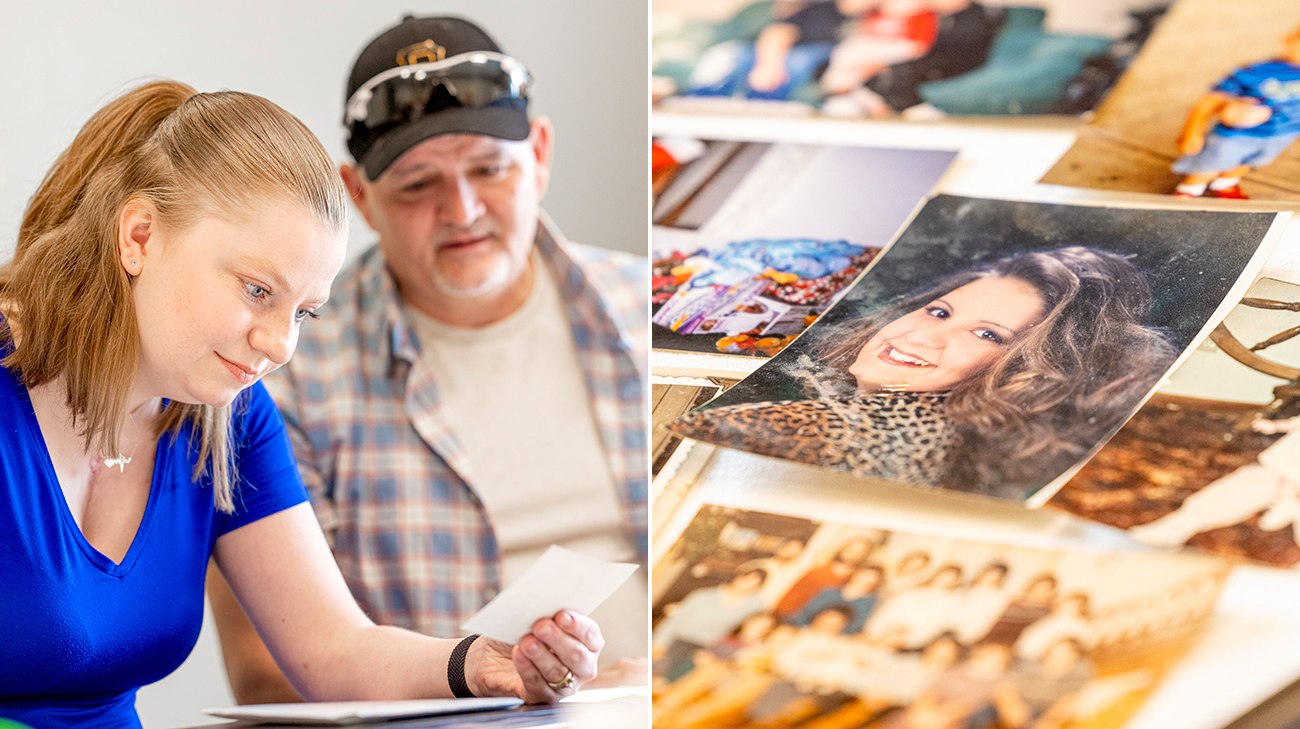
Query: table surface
[624, 711]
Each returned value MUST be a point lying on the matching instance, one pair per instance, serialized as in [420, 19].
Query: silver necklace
[121, 461]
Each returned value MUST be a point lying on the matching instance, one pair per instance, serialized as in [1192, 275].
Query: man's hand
[567, 643]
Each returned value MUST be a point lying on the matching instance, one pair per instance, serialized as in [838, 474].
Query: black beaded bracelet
[456, 669]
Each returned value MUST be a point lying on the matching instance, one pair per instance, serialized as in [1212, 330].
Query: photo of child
[1208, 108]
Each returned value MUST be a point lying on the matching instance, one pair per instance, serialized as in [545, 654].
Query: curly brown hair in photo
[1058, 387]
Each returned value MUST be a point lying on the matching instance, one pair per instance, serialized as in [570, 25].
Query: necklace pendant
[120, 462]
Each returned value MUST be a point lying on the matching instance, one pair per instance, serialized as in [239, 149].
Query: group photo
[778, 621]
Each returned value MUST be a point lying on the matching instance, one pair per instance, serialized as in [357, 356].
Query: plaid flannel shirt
[386, 475]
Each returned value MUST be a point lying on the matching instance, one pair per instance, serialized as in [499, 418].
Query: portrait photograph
[741, 265]
[1208, 463]
[771, 620]
[994, 345]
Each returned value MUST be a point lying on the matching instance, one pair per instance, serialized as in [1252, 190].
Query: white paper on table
[597, 695]
[560, 579]
[334, 713]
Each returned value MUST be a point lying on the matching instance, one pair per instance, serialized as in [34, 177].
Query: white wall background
[60, 60]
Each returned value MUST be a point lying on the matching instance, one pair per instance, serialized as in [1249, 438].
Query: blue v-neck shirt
[79, 633]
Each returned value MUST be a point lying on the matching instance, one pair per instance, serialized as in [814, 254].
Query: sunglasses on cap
[474, 80]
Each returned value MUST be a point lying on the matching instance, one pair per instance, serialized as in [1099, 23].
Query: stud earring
[132, 263]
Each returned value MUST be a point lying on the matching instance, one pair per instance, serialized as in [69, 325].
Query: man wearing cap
[473, 391]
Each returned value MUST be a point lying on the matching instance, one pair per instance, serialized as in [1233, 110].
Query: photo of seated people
[874, 629]
[921, 59]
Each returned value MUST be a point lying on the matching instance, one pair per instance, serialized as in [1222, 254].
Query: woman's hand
[331, 651]
[567, 643]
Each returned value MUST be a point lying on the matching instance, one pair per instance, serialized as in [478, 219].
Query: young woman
[994, 381]
[164, 265]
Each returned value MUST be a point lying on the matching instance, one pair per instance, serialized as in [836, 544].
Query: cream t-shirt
[517, 401]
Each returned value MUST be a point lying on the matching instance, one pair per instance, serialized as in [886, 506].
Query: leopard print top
[895, 436]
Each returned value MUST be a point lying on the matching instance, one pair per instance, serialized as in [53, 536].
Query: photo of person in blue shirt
[1258, 113]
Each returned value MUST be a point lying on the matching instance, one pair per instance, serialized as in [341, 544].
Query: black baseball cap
[471, 87]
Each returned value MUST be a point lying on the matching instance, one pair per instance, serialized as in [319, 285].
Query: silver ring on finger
[563, 683]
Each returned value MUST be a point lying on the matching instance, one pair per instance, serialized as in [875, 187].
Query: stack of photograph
[976, 359]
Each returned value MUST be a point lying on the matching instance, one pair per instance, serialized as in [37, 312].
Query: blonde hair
[189, 155]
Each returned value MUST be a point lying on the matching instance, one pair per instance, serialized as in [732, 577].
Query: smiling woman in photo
[987, 382]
